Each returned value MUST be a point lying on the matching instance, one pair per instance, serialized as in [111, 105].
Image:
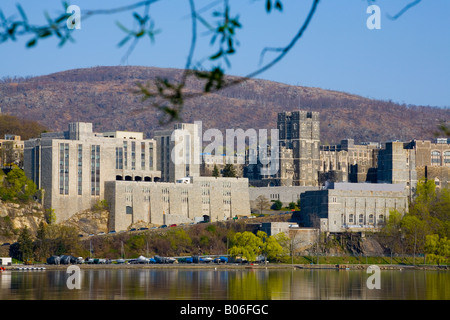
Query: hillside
[102, 95]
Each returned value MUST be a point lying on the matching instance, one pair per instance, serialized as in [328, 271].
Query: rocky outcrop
[16, 216]
[89, 221]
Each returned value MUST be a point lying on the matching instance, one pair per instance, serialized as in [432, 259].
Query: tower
[300, 131]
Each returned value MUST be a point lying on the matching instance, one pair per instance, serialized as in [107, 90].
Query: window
[435, 158]
[119, 158]
[351, 218]
[80, 170]
[143, 155]
[371, 219]
[95, 170]
[125, 153]
[150, 155]
[361, 219]
[63, 168]
[447, 158]
[133, 155]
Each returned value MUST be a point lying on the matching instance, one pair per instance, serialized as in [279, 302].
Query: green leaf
[124, 40]
[31, 43]
[268, 5]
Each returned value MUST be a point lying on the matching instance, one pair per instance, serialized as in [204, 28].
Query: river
[224, 284]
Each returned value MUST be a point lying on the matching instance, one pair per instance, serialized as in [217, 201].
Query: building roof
[365, 186]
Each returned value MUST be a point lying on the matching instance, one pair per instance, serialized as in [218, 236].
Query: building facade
[432, 160]
[185, 201]
[71, 167]
[349, 162]
[300, 132]
[11, 151]
[352, 207]
[397, 165]
[179, 151]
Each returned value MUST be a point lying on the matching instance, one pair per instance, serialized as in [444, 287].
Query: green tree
[390, 234]
[216, 172]
[179, 240]
[437, 249]
[246, 245]
[50, 215]
[291, 205]
[277, 205]
[17, 186]
[270, 247]
[229, 170]
[25, 242]
[414, 231]
[40, 244]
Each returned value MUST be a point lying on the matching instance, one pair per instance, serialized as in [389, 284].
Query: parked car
[173, 225]
[143, 228]
[163, 226]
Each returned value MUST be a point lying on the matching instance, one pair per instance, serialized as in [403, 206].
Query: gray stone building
[71, 167]
[300, 131]
[283, 193]
[349, 162]
[77, 168]
[432, 160]
[351, 207]
[397, 165]
[185, 201]
[179, 151]
[11, 151]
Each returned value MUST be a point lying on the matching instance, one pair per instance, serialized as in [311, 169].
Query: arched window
[370, 218]
[381, 219]
[361, 219]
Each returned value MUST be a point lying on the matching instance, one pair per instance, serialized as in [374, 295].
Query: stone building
[173, 203]
[285, 194]
[71, 167]
[179, 151]
[397, 165]
[432, 160]
[351, 207]
[209, 161]
[11, 151]
[349, 162]
[300, 132]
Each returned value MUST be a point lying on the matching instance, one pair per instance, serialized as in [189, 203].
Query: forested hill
[103, 96]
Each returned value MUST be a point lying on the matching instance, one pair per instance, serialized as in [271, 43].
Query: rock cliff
[15, 216]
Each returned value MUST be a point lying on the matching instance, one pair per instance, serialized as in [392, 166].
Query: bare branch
[406, 8]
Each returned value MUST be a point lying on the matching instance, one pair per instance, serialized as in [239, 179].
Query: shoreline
[40, 267]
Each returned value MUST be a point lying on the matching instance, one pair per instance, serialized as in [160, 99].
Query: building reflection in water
[224, 284]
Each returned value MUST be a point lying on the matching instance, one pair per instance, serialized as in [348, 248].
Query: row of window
[371, 219]
[436, 158]
[122, 156]
[64, 169]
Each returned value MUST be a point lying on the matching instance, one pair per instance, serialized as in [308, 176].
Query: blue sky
[406, 61]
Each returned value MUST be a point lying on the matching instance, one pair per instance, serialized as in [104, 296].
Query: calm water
[206, 284]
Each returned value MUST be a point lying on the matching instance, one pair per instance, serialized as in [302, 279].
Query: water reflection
[223, 284]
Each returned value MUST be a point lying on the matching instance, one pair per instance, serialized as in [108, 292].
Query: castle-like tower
[300, 131]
